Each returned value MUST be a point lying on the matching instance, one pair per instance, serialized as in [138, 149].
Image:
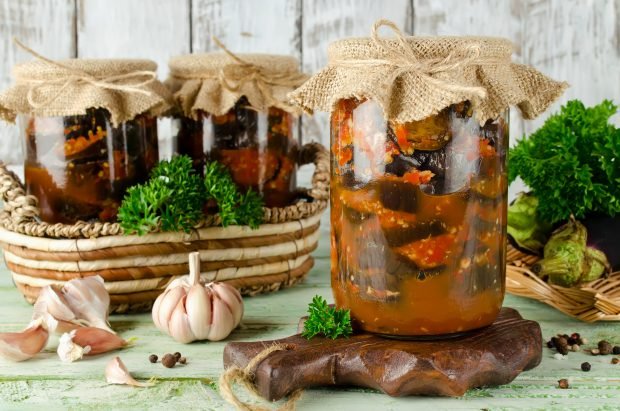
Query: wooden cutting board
[488, 357]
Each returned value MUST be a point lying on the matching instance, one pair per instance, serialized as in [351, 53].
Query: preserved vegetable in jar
[419, 138]
[235, 110]
[418, 215]
[79, 167]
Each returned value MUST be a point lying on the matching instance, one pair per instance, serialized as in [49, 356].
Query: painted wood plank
[132, 29]
[246, 26]
[324, 21]
[48, 27]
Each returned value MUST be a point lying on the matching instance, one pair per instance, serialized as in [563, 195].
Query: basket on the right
[598, 300]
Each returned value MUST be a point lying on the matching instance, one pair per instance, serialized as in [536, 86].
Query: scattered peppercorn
[563, 383]
[550, 344]
[575, 336]
[595, 351]
[585, 366]
[168, 360]
[182, 360]
[177, 355]
[605, 347]
[616, 350]
[563, 349]
[153, 358]
[575, 347]
[615, 360]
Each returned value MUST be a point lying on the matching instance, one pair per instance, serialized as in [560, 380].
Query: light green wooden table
[46, 383]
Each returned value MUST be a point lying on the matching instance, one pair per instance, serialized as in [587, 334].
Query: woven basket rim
[20, 211]
[598, 300]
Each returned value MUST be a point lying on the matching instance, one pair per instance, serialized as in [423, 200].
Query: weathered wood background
[573, 40]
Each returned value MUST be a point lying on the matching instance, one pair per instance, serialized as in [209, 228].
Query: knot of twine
[245, 377]
[233, 76]
[401, 56]
[132, 82]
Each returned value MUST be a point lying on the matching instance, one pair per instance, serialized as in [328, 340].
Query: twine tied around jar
[245, 376]
[402, 57]
[132, 82]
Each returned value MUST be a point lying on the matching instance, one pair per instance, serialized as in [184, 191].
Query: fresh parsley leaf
[328, 321]
[572, 162]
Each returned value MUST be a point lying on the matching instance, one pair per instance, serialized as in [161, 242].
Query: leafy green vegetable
[234, 207]
[571, 162]
[171, 200]
[326, 320]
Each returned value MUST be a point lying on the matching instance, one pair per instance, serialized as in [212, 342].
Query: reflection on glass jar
[259, 149]
[79, 167]
[418, 213]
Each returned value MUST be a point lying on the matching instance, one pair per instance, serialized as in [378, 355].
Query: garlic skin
[189, 310]
[24, 345]
[87, 341]
[116, 373]
[80, 302]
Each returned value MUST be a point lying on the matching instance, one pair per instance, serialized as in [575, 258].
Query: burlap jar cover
[214, 82]
[124, 87]
[412, 78]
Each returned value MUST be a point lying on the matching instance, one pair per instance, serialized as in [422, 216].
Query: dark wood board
[488, 357]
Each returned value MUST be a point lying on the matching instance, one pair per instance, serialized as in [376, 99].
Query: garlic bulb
[116, 373]
[80, 302]
[189, 310]
[26, 344]
[87, 341]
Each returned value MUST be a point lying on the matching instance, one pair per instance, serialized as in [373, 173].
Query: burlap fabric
[412, 78]
[125, 88]
[214, 82]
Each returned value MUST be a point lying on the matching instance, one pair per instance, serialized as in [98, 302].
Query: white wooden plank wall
[574, 40]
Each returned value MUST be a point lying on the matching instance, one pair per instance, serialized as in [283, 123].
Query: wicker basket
[595, 301]
[136, 269]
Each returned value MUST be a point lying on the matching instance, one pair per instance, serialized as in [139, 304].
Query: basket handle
[317, 154]
[20, 206]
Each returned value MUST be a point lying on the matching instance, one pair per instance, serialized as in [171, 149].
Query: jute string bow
[132, 82]
[233, 76]
[245, 376]
[402, 57]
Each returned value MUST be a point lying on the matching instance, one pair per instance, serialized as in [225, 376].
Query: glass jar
[79, 167]
[259, 149]
[418, 213]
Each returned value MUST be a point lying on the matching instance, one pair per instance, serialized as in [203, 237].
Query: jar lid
[412, 77]
[44, 87]
[214, 82]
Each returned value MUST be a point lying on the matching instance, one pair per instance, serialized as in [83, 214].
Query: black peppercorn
[177, 355]
[585, 366]
[605, 347]
[153, 358]
[168, 361]
[563, 383]
[550, 344]
[563, 349]
[182, 360]
[616, 350]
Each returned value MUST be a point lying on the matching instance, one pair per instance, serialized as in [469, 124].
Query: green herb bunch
[572, 163]
[171, 200]
[328, 321]
[233, 207]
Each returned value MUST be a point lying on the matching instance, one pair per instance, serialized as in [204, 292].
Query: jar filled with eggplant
[259, 149]
[89, 132]
[419, 141]
[234, 110]
[79, 167]
[418, 213]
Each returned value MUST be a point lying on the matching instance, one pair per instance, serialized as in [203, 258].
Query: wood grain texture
[399, 368]
[48, 27]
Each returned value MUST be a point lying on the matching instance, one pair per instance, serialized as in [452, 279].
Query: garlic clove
[170, 299]
[222, 322]
[198, 305]
[52, 302]
[26, 344]
[99, 340]
[116, 373]
[232, 297]
[179, 326]
[68, 351]
[89, 300]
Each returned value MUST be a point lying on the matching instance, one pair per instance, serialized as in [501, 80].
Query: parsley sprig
[328, 321]
[571, 163]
